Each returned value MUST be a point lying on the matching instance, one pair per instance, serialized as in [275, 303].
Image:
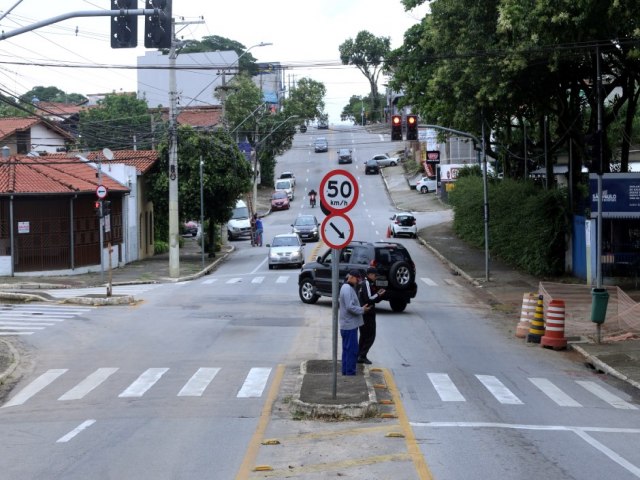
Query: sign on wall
[620, 195]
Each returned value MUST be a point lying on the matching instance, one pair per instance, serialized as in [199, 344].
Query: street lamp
[255, 164]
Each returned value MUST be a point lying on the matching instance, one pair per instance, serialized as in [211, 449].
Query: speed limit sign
[339, 191]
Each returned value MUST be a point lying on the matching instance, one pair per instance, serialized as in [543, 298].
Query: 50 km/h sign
[339, 191]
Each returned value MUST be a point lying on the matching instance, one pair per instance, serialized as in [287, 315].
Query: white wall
[45, 140]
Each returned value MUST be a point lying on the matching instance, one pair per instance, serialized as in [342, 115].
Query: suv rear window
[389, 255]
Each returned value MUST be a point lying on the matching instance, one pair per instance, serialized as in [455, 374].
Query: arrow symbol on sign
[340, 234]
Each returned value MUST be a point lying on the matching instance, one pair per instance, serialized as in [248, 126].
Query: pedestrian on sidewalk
[258, 230]
[349, 319]
[369, 295]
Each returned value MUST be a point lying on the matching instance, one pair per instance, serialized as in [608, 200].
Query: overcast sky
[305, 34]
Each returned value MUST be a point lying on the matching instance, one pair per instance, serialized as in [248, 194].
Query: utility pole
[174, 240]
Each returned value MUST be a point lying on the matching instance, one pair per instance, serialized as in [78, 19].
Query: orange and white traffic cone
[388, 232]
[554, 326]
[529, 302]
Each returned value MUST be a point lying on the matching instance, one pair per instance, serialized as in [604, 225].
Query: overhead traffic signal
[97, 206]
[396, 127]
[157, 26]
[124, 28]
[412, 127]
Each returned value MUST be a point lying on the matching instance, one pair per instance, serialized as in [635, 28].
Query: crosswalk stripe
[498, 390]
[234, 280]
[22, 328]
[144, 382]
[33, 324]
[554, 393]
[429, 282]
[198, 382]
[34, 387]
[209, 281]
[607, 396]
[282, 279]
[445, 388]
[257, 280]
[88, 384]
[7, 334]
[254, 383]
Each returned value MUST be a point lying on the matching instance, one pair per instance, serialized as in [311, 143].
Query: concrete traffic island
[355, 395]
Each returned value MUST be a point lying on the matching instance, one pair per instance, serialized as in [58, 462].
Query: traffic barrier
[529, 302]
[389, 232]
[554, 326]
[536, 330]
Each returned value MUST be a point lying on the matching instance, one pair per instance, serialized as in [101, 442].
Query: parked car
[190, 228]
[426, 185]
[403, 224]
[323, 125]
[321, 145]
[385, 160]
[288, 176]
[285, 186]
[240, 224]
[280, 200]
[307, 227]
[395, 268]
[344, 156]
[286, 249]
[371, 166]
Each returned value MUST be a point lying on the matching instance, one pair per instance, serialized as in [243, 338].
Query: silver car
[384, 160]
[286, 249]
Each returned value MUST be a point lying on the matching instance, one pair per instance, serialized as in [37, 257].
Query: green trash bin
[599, 302]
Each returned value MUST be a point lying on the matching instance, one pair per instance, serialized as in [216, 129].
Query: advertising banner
[620, 195]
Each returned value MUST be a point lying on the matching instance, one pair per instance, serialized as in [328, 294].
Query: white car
[403, 224]
[426, 185]
[384, 160]
[285, 185]
[286, 249]
[288, 176]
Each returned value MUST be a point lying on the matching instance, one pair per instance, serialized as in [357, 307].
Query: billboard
[620, 195]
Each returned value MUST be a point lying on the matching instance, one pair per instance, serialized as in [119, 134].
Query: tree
[367, 52]
[120, 122]
[307, 99]
[225, 173]
[359, 107]
[9, 107]
[246, 64]
[52, 94]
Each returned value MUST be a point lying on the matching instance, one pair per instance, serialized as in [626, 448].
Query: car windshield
[286, 175]
[279, 195]
[283, 185]
[305, 221]
[240, 213]
[285, 242]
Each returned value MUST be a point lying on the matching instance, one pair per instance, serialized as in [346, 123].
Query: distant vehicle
[385, 160]
[371, 166]
[323, 125]
[240, 225]
[403, 224]
[280, 200]
[396, 272]
[426, 185]
[286, 249]
[303, 128]
[288, 176]
[286, 186]
[344, 156]
[307, 227]
[321, 145]
[190, 228]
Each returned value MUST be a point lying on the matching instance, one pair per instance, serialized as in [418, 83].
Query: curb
[603, 366]
[14, 361]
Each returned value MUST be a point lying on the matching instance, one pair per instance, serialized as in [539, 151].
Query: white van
[240, 224]
[286, 186]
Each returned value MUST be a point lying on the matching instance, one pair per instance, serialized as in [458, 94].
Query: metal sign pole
[335, 295]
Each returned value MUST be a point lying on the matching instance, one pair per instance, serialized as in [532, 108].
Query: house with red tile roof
[22, 135]
[48, 220]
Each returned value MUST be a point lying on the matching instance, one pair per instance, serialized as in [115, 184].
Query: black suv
[344, 156]
[396, 272]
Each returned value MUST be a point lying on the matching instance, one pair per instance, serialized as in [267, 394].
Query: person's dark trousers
[367, 335]
[349, 351]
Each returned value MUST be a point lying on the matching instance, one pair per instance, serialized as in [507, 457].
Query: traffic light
[124, 28]
[157, 26]
[106, 208]
[97, 206]
[412, 127]
[396, 127]
[594, 146]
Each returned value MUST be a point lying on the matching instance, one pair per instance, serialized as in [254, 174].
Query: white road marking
[607, 396]
[554, 393]
[257, 280]
[282, 279]
[88, 384]
[429, 282]
[84, 425]
[27, 323]
[6, 334]
[254, 383]
[498, 390]
[21, 328]
[234, 280]
[209, 281]
[34, 387]
[445, 388]
[143, 383]
[453, 283]
[197, 384]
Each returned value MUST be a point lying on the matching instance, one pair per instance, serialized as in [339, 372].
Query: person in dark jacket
[369, 294]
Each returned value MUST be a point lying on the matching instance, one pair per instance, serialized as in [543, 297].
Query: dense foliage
[531, 237]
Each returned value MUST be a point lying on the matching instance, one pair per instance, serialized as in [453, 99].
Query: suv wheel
[398, 305]
[306, 290]
[401, 275]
